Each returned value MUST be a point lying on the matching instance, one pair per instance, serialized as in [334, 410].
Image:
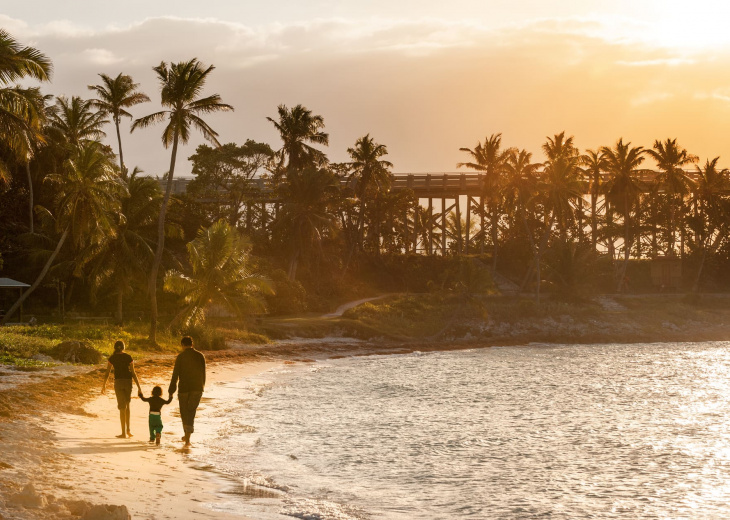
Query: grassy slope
[426, 318]
[19, 343]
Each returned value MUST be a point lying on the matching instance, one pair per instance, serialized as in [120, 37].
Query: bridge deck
[426, 185]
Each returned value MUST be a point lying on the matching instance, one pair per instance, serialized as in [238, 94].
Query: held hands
[139, 393]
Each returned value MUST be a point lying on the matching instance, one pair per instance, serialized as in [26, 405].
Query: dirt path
[349, 305]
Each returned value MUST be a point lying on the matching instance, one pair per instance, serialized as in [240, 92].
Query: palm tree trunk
[696, 284]
[627, 244]
[38, 280]
[120, 303]
[121, 156]
[594, 220]
[358, 240]
[495, 234]
[30, 196]
[152, 285]
[610, 237]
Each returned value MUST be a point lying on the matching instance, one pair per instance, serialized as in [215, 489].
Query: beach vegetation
[269, 237]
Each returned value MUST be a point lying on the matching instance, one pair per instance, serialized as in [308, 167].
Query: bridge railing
[422, 183]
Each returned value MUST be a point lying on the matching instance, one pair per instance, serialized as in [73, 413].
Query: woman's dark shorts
[123, 389]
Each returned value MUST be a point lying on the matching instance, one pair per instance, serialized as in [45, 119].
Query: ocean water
[542, 431]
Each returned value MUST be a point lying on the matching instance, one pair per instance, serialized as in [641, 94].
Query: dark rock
[107, 512]
[76, 352]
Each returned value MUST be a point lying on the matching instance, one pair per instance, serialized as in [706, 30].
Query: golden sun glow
[697, 25]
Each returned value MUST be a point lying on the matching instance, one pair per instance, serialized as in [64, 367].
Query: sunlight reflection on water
[608, 431]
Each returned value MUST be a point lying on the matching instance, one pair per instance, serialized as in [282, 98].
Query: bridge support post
[481, 224]
[443, 226]
[459, 238]
[468, 223]
[406, 232]
[416, 223]
[429, 247]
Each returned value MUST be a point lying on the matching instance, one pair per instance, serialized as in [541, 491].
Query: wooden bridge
[424, 185]
[439, 194]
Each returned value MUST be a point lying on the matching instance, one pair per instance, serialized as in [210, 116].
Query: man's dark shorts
[123, 389]
[189, 402]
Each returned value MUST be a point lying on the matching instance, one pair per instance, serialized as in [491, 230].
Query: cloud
[101, 56]
[422, 87]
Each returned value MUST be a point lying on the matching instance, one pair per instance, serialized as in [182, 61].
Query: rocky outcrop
[76, 352]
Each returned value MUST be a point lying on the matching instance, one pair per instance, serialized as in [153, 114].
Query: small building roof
[7, 283]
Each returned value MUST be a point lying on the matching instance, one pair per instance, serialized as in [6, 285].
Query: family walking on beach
[188, 378]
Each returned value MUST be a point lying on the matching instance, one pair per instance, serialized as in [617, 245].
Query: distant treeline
[77, 221]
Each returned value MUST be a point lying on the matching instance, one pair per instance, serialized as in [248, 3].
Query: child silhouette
[156, 403]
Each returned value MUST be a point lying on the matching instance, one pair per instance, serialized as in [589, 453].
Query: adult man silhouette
[190, 372]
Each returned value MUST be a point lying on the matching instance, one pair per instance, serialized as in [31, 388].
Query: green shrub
[290, 296]
[206, 338]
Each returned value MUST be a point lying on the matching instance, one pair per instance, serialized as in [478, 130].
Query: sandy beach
[73, 460]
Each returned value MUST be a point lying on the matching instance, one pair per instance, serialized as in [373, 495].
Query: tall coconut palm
[18, 62]
[220, 274]
[712, 186]
[672, 180]
[297, 127]
[88, 194]
[181, 85]
[370, 174]
[114, 97]
[559, 146]
[595, 165]
[521, 191]
[75, 122]
[128, 254]
[623, 188]
[27, 136]
[19, 115]
[562, 188]
[490, 158]
[305, 216]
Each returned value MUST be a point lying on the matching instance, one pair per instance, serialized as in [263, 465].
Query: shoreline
[72, 460]
[59, 432]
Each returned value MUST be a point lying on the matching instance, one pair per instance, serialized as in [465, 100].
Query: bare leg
[129, 433]
[123, 420]
[187, 440]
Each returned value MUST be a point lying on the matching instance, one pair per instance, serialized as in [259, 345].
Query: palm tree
[297, 127]
[712, 210]
[18, 62]
[672, 179]
[623, 188]
[220, 274]
[489, 157]
[595, 165]
[114, 97]
[87, 196]
[75, 122]
[559, 146]
[19, 117]
[180, 87]
[370, 175]
[27, 136]
[459, 231]
[521, 191]
[305, 217]
[561, 185]
[130, 251]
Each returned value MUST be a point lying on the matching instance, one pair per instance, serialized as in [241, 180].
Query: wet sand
[76, 457]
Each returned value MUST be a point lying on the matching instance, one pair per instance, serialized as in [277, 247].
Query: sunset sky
[424, 80]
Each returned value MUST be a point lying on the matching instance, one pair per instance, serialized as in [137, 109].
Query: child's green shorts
[155, 426]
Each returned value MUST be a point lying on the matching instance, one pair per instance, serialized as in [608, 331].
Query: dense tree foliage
[72, 215]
